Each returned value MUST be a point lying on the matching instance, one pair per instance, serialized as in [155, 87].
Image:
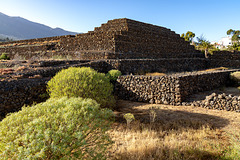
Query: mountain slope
[20, 28]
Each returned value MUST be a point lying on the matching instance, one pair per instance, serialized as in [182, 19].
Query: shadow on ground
[169, 119]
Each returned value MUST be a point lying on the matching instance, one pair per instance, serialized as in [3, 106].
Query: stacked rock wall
[202, 81]
[14, 94]
[230, 55]
[163, 89]
[112, 40]
[164, 65]
[146, 38]
[172, 89]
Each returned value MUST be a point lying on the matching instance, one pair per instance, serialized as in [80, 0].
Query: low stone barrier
[170, 89]
[162, 90]
[15, 93]
[231, 55]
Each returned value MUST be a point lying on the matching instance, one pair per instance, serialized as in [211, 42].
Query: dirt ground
[216, 118]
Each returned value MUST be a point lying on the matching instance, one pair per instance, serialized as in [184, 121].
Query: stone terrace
[130, 46]
[116, 39]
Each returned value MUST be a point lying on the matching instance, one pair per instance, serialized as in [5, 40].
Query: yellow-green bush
[4, 56]
[73, 128]
[113, 74]
[82, 82]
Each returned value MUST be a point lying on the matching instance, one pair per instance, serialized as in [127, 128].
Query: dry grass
[214, 69]
[177, 133]
[155, 74]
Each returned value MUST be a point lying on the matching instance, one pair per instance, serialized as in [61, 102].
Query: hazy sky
[212, 18]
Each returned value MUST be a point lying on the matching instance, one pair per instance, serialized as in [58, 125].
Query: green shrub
[235, 76]
[4, 56]
[113, 74]
[73, 128]
[82, 82]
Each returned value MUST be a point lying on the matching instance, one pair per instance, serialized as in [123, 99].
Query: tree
[203, 44]
[230, 32]
[188, 36]
[3, 39]
[235, 35]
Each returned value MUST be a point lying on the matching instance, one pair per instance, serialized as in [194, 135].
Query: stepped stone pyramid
[117, 39]
[126, 38]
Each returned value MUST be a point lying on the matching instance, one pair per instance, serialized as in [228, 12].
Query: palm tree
[203, 44]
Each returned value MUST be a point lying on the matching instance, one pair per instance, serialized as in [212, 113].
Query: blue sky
[210, 18]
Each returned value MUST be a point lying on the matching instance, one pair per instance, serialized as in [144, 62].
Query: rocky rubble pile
[218, 101]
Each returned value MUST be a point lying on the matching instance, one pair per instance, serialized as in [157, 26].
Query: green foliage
[129, 118]
[230, 32]
[204, 45]
[234, 149]
[4, 56]
[214, 49]
[82, 82]
[188, 36]
[234, 47]
[235, 35]
[44, 96]
[73, 128]
[235, 39]
[113, 74]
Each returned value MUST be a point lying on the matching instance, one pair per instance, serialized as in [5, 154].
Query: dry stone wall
[164, 65]
[160, 90]
[230, 55]
[113, 39]
[195, 82]
[213, 63]
[14, 94]
[145, 38]
[171, 89]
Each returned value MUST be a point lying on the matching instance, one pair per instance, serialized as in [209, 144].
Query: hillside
[20, 28]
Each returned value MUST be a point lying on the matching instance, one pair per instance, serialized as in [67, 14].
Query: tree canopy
[235, 35]
[188, 36]
[5, 39]
[204, 45]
